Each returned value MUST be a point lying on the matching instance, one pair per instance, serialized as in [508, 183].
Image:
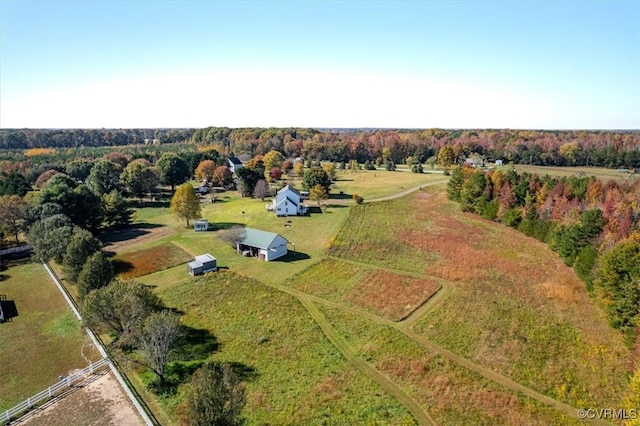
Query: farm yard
[399, 312]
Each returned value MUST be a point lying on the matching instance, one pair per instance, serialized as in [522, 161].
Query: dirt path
[120, 241]
[406, 191]
[98, 401]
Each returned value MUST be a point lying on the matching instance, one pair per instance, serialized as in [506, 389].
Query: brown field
[392, 295]
[147, 261]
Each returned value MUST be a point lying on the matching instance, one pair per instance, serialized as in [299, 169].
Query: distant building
[498, 162]
[202, 264]
[264, 245]
[234, 164]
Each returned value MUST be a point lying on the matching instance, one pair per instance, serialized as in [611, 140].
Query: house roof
[289, 188]
[236, 161]
[260, 239]
[203, 258]
[281, 200]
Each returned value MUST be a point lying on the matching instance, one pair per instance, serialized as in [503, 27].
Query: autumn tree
[172, 169]
[318, 193]
[261, 190]
[12, 211]
[298, 168]
[222, 176]
[446, 157]
[185, 204]
[158, 342]
[216, 396]
[44, 177]
[272, 159]
[330, 169]
[205, 170]
[97, 272]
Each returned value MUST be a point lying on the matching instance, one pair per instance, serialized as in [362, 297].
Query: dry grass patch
[154, 259]
[393, 295]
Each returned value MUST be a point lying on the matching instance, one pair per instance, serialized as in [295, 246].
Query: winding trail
[406, 326]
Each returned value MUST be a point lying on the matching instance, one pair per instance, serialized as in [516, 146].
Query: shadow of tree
[121, 266]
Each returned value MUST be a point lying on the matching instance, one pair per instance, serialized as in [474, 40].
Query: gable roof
[260, 239]
[235, 161]
[281, 200]
[289, 188]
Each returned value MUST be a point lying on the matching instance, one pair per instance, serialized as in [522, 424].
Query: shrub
[358, 199]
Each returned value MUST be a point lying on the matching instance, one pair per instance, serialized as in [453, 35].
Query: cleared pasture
[599, 172]
[371, 184]
[390, 294]
[293, 373]
[43, 341]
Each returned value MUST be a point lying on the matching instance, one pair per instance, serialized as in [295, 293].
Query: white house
[288, 202]
[234, 164]
[201, 225]
[262, 244]
[201, 264]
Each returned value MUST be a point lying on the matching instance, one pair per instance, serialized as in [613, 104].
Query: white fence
[52, 391]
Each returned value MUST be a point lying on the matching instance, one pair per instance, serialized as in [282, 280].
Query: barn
[264, 245]
[201, 264]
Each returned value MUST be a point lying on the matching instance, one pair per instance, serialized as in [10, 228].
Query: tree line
[548, 148]
[594, 226]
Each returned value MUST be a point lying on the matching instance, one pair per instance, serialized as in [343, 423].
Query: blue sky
[420, 64]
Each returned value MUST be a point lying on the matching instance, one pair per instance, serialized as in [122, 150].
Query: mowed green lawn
[371, 184]
[43, 342]
[295, 375]
[309, 237]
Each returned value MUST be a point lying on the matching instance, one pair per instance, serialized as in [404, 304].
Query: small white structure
[234, 164]
[262, 244]
[201, 264]
[201, 225]
[288, 202]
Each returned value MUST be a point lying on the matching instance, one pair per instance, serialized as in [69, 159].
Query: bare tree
[157, 342]
[233, 236]
[261, 190]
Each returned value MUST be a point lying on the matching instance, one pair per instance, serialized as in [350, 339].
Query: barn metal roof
[260, 239]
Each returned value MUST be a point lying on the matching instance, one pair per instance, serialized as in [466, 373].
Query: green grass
[373, 233]
[43, 342]
[297, 376]
[310, 234]
[379, 291]
[599, 172]
[371, 184]
[449, 393]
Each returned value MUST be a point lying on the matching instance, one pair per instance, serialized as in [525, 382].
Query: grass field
[450, 393]
[43, 342]
[379, 291]
[371, 184]
[295, 376]
[510, 307]
[516, 309]
[599, 172]
[149, 260]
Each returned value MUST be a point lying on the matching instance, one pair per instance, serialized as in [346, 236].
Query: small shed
[201, 264]
[201, 225]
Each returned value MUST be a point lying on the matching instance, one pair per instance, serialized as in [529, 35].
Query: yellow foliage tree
[185, 204]
[205, 170]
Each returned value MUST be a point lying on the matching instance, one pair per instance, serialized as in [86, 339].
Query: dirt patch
[393, 295]
[97, 401]
[120, 241]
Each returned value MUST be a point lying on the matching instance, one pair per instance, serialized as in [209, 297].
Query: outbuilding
[201, 264]
[201, 225]
[264, 245]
